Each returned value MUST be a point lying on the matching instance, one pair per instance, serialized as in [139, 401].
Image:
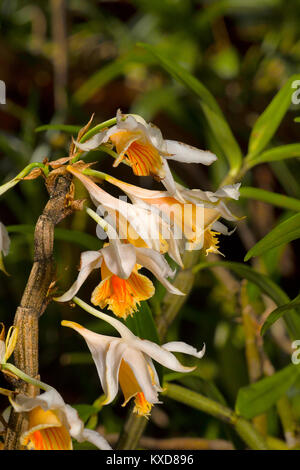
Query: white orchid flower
[143, 147]
[52, 423]
[122, 287]
[196, 217]
[4, 245]
[128, 361]
[140, 226]
[213, 200]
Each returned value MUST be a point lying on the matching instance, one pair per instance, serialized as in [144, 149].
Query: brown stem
[34, 299]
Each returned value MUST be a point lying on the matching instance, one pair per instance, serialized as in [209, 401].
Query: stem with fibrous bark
[35, 297]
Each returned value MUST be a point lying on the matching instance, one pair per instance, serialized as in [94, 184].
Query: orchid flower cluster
[154, 224]
[140, 234]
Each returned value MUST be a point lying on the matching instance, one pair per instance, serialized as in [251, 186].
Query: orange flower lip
[46, 432]
[143, 157]
[122, 296]
[131, 389]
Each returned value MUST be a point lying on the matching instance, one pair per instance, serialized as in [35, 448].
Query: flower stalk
[92, 132]
[10, 184]
[25, 377]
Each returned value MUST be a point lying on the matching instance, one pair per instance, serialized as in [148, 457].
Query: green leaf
[107, 74]
[209, 105]
[85, 411]
[279, 312]
[142, 323]
[268, 122]
[278, 200]
[284, 232]
[72, 236]
[58, 127]
[287, 178]
[282, 152]
[266, 285]
[257, 398]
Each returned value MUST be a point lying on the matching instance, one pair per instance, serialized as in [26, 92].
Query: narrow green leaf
[142, 323]
[278, 200]
[279, 312]
[268, 122]
[72, 236]
[283, 152]
[287, 177]
[257, 398]
[106, 74]
[266, 285]
[209, 105]
[283, 233]
[59, 127]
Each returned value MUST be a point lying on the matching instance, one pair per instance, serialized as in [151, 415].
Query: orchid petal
[139, 218]
[169, 183]
[94, 438]
[157, 264]
[139, 367]
[129, 121]
[132, 190]
[95, 141]
[113, 361]
[221, 228]
[226, 213]
[146, 256]
[47, 401]
[179, 346]
[156, 137]
[230, 191]
[90, 260]
[120, 259]
[155, 375]
[160, 355]
[188, 154]
[97, 345]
